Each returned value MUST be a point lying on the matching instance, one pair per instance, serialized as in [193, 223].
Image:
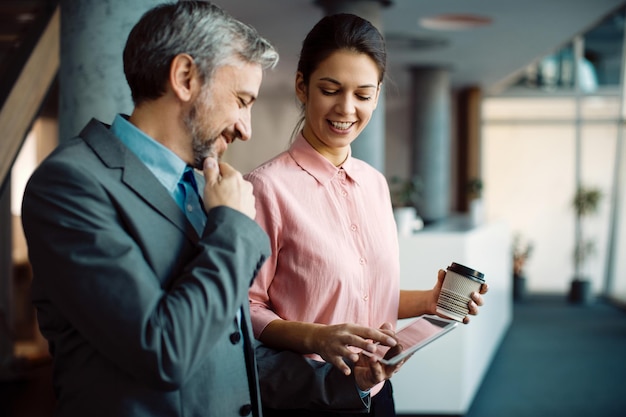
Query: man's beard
[201, 145]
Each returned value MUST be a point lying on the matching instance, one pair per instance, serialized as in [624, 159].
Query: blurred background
[495, 112]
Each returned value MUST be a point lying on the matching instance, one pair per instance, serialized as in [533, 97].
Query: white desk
[443, 378]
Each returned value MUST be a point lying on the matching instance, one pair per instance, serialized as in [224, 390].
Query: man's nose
[244, 126]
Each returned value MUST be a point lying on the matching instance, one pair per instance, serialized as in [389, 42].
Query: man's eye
[329, 92]
[364, 98]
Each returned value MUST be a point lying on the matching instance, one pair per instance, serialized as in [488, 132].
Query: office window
[541, 138]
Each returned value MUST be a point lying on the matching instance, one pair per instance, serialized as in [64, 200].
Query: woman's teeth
[341, 125]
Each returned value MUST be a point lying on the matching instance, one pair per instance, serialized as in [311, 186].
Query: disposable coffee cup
[460, 282]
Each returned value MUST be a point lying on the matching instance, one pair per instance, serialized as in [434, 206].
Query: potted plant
[586, 203]
[521, 252]
[405, 195]
[475, 194]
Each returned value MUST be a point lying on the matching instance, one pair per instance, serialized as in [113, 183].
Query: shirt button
[344, 193]
[353, 227]
[362, 261]
[234, 339]
[189, 208]
[245, 410]
[366, 297]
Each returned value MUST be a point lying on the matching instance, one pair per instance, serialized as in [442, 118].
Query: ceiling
[521, 32]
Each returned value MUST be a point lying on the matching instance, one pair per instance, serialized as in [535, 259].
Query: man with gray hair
[143, 244]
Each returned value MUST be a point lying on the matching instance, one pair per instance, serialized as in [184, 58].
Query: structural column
[370, 145]
[468, 144]
[430, 130]
[91, 75]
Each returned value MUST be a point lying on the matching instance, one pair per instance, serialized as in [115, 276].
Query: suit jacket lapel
[135, 174]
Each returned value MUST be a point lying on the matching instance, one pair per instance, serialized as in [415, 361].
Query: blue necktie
[194, 209]
[192, 204]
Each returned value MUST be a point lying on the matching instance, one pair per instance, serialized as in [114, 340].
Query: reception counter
[443, 377]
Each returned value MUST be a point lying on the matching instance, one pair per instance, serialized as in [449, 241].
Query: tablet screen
[414, 336]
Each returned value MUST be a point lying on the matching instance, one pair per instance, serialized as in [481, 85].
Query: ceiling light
[454, 22]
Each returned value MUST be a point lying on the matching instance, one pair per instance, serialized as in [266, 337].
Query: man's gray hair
[198, 28]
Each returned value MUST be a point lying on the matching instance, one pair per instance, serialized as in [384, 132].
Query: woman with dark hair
[332, 281]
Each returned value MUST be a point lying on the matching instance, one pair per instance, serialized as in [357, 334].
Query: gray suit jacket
[140, 311]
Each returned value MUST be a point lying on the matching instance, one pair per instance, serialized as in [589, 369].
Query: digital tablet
[413, 337]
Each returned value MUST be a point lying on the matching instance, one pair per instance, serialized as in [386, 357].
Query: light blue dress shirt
[166, 166]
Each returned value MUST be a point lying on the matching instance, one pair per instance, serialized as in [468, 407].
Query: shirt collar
[319, 167]
[160, 160]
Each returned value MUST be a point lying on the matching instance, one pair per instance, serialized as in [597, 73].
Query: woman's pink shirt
[334, 243]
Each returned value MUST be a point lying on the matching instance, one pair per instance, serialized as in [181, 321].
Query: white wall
[273, 119]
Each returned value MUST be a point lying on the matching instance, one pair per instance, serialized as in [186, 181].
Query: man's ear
[184, 77]
[301, 91]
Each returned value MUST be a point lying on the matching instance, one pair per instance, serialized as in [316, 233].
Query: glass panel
[529, 174]
[600, 108]
[529, 108]
[618, 290]
[597, 164]
[529, 181]
[554, 72]
[529, 154]
[600, 66]
[603, 49]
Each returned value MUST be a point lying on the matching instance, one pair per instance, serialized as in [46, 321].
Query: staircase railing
[25, 86]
